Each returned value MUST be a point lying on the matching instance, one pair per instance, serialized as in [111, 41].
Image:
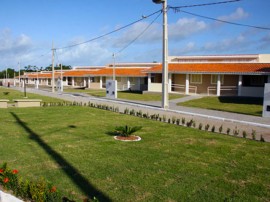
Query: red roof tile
[121, 72]
[229, 68]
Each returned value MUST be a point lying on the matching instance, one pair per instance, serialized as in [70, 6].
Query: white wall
[264, 58]
[155, 87]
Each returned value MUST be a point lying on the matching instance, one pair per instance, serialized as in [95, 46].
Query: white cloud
[179, 30]
[238, 14]
[86, 54]
[185, 27]
[10, 45]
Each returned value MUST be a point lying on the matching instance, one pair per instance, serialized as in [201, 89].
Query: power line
[224, 21]
[140, 34]
[205, 4]
[111, 32]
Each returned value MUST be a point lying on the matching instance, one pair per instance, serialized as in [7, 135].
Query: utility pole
[113, 66]
[165, 85]
[52, 68]
[61, 77]
[19, 74]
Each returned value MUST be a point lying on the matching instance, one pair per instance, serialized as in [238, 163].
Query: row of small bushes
[178, 121]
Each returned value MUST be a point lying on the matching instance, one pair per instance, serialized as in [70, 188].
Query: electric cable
[111, 32]
[140, 34]
[224, 21]
[205, 4]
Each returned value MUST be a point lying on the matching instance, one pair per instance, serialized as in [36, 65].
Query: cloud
[238, 14]
[142, 32]
[10, 45]
[185, 27]
[179, 30]
[86, 54]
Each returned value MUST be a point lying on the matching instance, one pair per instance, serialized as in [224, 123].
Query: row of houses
[240, 75]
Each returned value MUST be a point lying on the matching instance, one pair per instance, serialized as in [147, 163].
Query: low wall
[3, 103]
[27, 102]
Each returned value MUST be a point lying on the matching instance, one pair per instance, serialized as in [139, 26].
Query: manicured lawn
[241, 105]
[10, 94]
[70, 147]
[128, 95]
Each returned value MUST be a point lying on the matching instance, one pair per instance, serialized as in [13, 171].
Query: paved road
[227, 120]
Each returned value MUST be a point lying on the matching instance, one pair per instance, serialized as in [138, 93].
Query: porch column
[84, 81]
[73, 82]
[148, 81]
[138, 85]
[218, 85]
[47, 82]
[170, 83]
[100, 82]
[89, 82]
[128, 83]
[240, 85]
[187, 84]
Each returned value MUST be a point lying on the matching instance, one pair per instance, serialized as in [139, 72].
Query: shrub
[132, 112]
[213, 129]
[126, 131]
[164, 118]
[194, 124]
[173, 120]
[183, 121]
[39, 191]
[126, 111]
[253, 134]
[220, 129]
[200, 126]
[236, 131]
[190, 123]
[178, 121]
[228, 131]
[207, 127]
[262, 139]
[244, 134]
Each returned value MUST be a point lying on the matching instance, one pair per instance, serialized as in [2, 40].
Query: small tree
[126, 131]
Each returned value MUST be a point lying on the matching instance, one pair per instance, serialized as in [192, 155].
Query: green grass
[241, 105]
[70, 147]
[10, 94]
[127, 95]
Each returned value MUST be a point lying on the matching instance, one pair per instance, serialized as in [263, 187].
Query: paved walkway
[213, 118]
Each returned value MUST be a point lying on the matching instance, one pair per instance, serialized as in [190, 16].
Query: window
[254, 80]
[214, 78]
[196, 78]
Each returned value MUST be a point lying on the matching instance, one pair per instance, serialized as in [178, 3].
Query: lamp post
[24, 86]
[165, 98]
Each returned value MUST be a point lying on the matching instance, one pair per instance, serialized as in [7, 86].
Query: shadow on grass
[74, 174]
[112, 133]
[131, 92]
[241, 100]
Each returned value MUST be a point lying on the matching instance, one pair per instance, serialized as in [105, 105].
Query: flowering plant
[39, 191]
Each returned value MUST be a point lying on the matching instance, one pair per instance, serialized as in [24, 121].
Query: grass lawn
[70, 147]
[241, 105]
[127, 95]
[10, 94]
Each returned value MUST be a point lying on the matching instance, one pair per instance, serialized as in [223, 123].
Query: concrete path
[235, 121]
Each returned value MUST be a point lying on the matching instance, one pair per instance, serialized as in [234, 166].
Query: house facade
[218, 75]
[239, 75]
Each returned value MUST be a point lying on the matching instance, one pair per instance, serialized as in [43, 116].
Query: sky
[30, 28]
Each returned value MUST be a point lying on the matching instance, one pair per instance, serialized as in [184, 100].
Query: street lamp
[165, 99]
[24, 86]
